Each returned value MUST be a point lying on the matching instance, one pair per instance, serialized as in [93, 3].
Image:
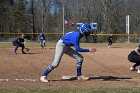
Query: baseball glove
[27, 49]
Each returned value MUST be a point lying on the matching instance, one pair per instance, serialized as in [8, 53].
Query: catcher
[134, 57]
[64, 46]
[19, 42]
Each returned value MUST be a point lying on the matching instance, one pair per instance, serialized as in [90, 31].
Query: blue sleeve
[77, 47]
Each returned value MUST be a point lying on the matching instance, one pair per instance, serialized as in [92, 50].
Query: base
[69, 77]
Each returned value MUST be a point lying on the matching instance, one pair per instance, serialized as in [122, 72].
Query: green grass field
[73, 90]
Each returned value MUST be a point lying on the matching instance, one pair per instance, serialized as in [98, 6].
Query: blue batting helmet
[85, 29]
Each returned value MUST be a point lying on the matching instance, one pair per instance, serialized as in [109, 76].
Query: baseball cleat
[82, 78]
[138, 71]
[132, 69]
[24, 52]
[43, 79]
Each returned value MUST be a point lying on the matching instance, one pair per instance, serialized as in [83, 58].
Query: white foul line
[30, 80]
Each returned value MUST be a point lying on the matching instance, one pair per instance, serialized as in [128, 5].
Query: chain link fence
[54, 37]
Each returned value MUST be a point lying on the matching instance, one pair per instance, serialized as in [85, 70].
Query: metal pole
[127, 27]
[63, 21]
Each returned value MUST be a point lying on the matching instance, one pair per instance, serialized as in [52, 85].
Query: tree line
[35, 16]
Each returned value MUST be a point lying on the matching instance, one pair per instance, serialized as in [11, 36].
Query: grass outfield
[35, 44]
[73, 90]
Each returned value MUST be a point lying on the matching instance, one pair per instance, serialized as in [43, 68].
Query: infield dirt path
[108, 67]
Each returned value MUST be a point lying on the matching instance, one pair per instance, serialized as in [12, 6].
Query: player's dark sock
[135, 65]
[15, 49]
[48, 70]
[79, 67]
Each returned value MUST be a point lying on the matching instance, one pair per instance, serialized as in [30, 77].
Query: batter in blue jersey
[64, 46]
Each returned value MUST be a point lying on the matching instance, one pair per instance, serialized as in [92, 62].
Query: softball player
[64, 46]
[42, 40]
[19, 42]
[134, 57]
[109, 39]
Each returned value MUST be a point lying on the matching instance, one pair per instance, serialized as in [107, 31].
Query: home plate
[69, 77]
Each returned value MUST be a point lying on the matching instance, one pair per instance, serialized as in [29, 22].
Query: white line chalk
[30, 80]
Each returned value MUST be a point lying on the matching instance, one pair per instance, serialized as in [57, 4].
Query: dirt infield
[108, 67]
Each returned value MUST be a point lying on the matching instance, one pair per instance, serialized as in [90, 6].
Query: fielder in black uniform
[109, 39]
[134, 57]
[19, 42]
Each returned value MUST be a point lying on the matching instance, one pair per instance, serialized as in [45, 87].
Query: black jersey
[109, 38]
[19, 42]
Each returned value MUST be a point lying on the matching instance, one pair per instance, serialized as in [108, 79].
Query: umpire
[19, 42]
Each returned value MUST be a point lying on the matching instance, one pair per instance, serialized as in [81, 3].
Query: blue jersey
[73, 39]
[42, 37]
